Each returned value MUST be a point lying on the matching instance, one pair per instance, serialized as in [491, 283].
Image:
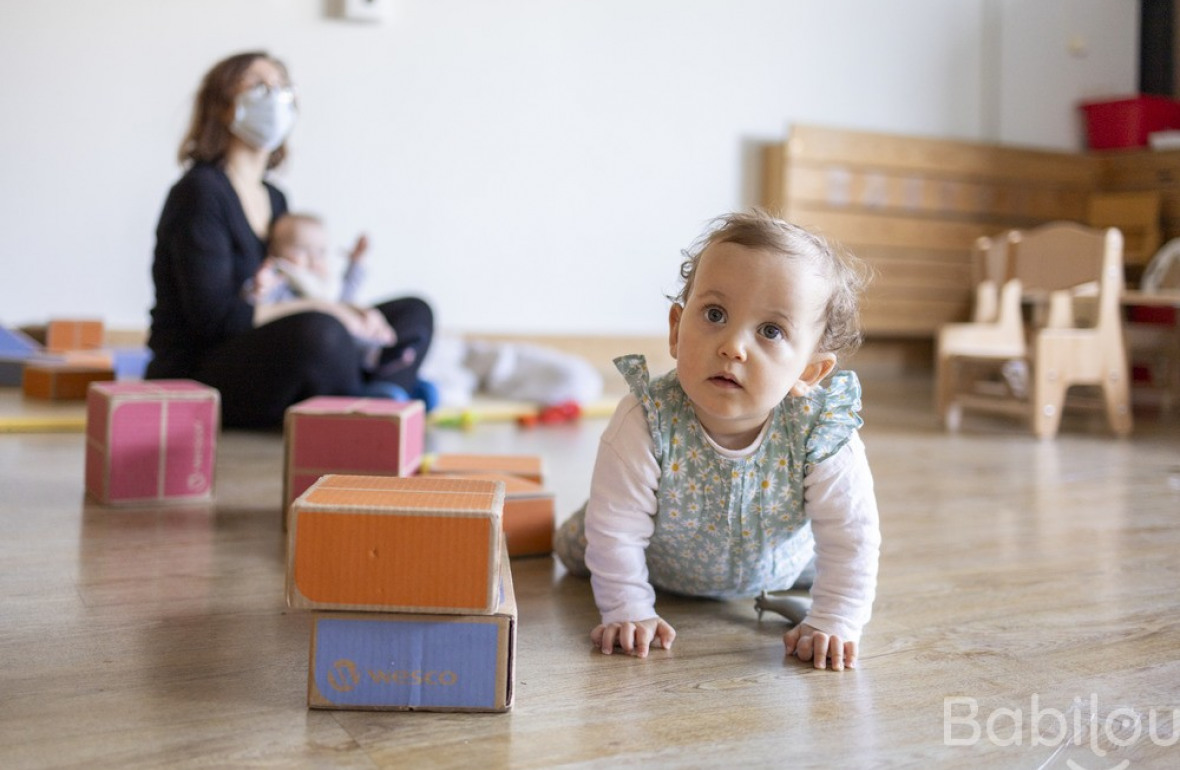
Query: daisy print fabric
[729, 527]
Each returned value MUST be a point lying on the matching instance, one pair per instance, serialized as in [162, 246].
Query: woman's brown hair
[207, 138]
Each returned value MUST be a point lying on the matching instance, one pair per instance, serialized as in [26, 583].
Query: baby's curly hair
[757, 229]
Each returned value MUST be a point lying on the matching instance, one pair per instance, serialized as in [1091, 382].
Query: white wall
[527, 165]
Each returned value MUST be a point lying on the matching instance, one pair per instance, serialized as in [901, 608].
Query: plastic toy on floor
[793, 604]
[557, 414]
[423, 391]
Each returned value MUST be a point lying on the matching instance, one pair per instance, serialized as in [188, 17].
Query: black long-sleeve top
[206, 254]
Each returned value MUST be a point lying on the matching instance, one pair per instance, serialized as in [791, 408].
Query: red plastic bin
[1127, 122]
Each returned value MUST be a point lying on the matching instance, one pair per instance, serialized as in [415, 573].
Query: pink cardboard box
[151, 442]
[351, 436]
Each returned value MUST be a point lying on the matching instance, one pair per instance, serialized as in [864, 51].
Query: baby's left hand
[809, 643]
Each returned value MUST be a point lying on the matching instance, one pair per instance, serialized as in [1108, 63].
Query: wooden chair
[1072, 276]
[989, 271]
[996, 329]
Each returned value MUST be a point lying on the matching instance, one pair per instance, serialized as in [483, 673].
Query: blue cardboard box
[383, 661]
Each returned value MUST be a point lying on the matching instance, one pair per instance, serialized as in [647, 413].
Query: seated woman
[210, 268]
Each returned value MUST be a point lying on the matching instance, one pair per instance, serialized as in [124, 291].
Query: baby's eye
[771, 332]
[714, 314]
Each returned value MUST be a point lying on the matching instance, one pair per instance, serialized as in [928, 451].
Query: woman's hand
[808, 643]
[370, 325]
[634, 637]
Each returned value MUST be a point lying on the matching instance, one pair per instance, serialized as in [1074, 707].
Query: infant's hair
[280, 229]
[757, 229]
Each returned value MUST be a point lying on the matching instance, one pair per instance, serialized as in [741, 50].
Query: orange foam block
[529, 514]
[352, 436]
[530, 467]
[392, 544]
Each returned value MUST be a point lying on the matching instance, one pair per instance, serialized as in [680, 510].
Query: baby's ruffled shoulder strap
[635, 372]
[836, 416]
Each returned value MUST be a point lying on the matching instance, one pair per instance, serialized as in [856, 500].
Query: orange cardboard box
[529, 467]
[66, 334]
[60, 381]
[353, 436]
[393, 544]
[414, 662]
[529, 515]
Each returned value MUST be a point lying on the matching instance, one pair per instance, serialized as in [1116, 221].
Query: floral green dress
[729, 527]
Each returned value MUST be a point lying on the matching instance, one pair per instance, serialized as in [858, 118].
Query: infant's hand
[359, 248]
[378, 328]
[265, 280]
[808, 643]
[635, 638]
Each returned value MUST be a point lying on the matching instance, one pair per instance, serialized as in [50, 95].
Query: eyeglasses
[284, 93]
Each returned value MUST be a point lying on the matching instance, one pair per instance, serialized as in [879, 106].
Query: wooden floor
[1028, 617]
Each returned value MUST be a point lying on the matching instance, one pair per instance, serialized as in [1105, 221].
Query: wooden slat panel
[947, 271]
[882, 318]
[855, 229]
[1138, 170]
[952, 158]
[1147, 171]
[774, 185]
[1004, 205]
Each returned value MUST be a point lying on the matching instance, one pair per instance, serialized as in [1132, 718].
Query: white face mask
[263, 116]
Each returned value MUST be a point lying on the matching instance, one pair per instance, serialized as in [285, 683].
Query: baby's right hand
[265, 280]
[635, 638]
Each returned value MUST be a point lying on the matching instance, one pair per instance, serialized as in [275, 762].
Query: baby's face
[305, 244]
[747, 336]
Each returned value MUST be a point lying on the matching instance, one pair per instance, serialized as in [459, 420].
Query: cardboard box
[60, 380]
[529, 467]
[151, 442]
[529, 514]
[390, 544]
[353, 436]
[67, 334]
[391, 662]
[127, 363]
